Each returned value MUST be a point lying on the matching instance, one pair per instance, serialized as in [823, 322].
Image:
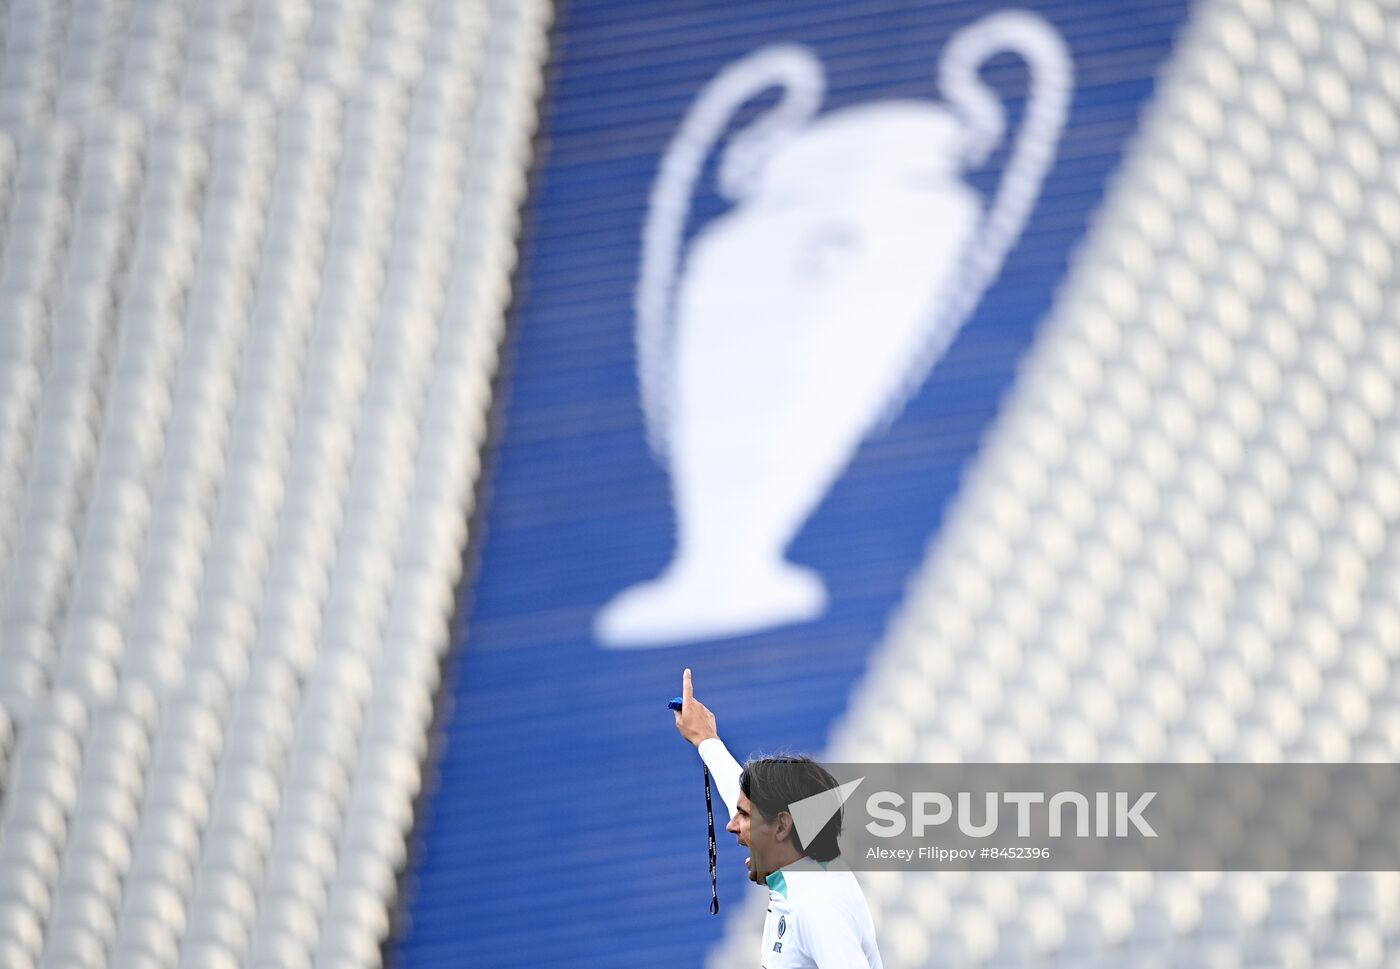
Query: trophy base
[684, 606]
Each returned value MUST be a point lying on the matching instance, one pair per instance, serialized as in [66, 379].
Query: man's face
[760, 835]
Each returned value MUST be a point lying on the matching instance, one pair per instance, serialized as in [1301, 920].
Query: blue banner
[780, 261]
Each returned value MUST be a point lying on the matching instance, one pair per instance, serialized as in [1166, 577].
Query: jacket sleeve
[724, 769]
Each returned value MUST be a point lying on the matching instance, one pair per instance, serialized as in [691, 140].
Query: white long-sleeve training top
[817, 916]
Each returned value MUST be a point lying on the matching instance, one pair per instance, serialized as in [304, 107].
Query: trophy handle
[1051, 84]
[787, 66]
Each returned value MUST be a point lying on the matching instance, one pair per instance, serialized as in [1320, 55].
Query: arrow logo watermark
[811, 814]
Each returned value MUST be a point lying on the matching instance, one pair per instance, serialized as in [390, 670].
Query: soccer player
[817, 916]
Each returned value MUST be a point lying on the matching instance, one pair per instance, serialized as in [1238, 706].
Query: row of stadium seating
[257, 258]
[154, 57]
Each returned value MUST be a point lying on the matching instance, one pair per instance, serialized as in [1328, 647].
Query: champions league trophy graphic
[808, 313]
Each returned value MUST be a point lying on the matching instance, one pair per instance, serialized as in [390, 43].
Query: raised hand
[694, 720]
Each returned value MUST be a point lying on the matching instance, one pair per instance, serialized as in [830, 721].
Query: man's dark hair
[772, 784]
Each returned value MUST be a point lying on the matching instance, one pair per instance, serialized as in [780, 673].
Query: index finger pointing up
[687, 691]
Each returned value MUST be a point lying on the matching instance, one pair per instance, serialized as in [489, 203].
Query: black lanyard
[714, 863]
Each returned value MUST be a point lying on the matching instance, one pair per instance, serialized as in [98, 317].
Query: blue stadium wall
[566, 826]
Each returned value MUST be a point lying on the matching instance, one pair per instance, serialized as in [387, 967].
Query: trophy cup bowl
[797, 316]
